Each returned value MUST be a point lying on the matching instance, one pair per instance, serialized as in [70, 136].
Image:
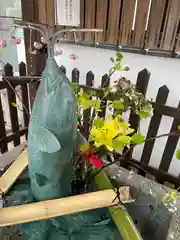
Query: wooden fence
[9, 83]
[141, 24]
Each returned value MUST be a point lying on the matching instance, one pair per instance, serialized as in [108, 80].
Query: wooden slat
[134, 120]
[170, 147]
[87, 112]
[178, 44]
[75, 75]
[154, 25]
[105, 81]
[25, 100]
[8, 70]
[159, 174]
[42, 11]
[154, 125]
[15, 81]
[50, 14]
[167, 110]
[3, 144]
[12, 136]
[141, 86]
[113, 21]
[80, 36]
[140, 23]
[171, 25]
[90, 10]
[126, 22]
[101, 18]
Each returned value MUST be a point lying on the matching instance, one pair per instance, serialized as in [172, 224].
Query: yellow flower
[112, 134]
[83, 99]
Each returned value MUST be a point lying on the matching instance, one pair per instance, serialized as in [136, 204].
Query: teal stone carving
[52, 135]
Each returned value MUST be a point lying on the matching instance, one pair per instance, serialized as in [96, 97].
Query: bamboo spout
[59, 207]
[13, 172]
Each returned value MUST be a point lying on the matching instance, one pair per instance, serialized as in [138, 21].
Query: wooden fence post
[63, 69]
[134, 120]
[87, 112]
[8, 71]
[104, 84]
[170, 146]
[75, 75]
[3, 143]
[25, 100]
[154, 125]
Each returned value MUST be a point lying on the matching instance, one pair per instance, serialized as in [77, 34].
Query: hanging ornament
[37, 45]
[73, 56]
[3, 43]
[15, 41]
[42, 40]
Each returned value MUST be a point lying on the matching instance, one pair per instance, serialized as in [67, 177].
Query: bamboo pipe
[13, 172]
[59, 207]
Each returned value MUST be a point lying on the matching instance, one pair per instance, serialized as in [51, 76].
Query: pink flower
[95, 161]
[73, 57]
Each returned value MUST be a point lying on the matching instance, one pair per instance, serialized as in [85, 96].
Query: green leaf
[148, 107]
[96, 104]
[178, 154]
[117, 104]
[123, 139]
[111, 70]
[125, 68]
[99, 122]
[74, 87]
[119, 55]
[84, 147]
[144, 115]
[14, 104]
[118, 59]
[112, 59]
[117, 146]
[137, 138]
[107, 91]
[178, 127]
[118, 67]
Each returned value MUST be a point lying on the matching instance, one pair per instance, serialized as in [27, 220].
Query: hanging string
[73, 56]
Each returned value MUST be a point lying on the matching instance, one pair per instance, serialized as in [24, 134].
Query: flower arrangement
[112, 134]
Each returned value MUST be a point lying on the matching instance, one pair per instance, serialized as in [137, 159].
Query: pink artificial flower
[73, 57]
[95, 161]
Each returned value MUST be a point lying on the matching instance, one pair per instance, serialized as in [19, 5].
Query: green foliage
[178, 154]
[132, 99]
[117, 64]
[137, 138]
[75, 87]
[98, 122]
[117, 105]
[179, 127]
[14, 104]
[174, 195]
[84, 147]
[112, 59]
[96, 104]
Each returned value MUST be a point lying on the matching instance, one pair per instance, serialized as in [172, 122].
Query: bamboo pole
[13, 172]
[59, 207]
[119, 214]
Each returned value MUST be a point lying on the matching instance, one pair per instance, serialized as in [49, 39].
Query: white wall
[164, 71]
